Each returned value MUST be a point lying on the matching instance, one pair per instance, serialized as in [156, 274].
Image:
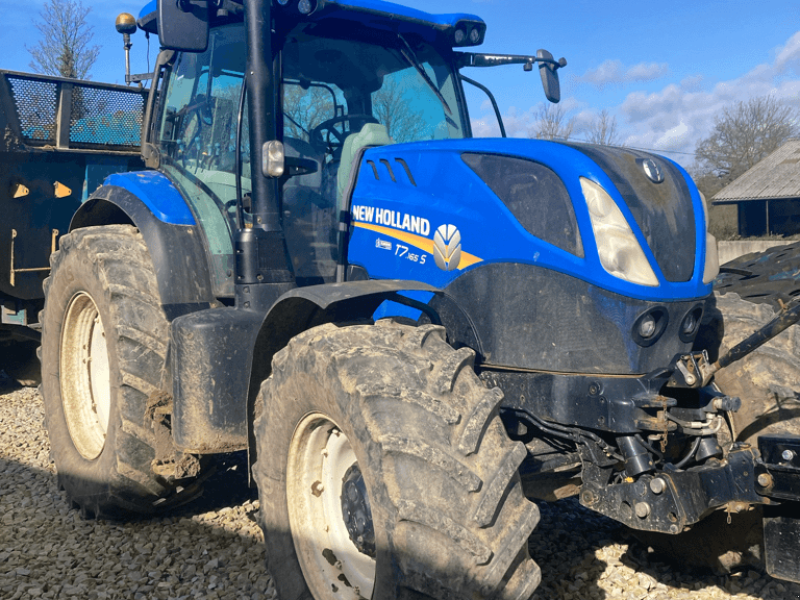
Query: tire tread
[117, 254]
[453, 476]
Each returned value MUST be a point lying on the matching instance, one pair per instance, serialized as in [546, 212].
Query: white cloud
[788, 57]
[646, 72]
[516, 123]
[679, 115]
[610, 71]
[614, 72]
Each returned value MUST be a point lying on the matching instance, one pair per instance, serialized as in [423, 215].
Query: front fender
[303, 308]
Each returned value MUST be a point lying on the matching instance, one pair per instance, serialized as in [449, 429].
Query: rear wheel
[104, 344]
[384, 471]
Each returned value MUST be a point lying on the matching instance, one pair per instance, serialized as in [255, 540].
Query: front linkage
[653, 450]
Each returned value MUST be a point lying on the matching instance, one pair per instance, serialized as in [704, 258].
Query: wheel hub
[84, 376]
[329, 512]
[356, 511]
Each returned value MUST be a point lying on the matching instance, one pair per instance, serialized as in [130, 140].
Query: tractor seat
[372, 134]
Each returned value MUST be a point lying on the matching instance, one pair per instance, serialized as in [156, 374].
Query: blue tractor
[411, 331]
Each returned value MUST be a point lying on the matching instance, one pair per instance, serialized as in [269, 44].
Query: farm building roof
[776, 176]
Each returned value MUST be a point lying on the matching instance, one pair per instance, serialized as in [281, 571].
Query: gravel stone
[214, 549]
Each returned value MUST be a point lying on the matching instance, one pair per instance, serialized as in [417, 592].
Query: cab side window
[198, 140]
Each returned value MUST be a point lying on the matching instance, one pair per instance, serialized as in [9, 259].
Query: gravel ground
[214, 549]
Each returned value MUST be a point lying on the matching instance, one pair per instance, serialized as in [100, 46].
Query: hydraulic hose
[692, 451]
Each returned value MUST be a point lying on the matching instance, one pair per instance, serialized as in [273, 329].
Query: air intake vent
[386, 163]
[534, 194]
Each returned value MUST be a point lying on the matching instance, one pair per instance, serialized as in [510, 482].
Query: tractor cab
[340, 88]
[347, 77]
[312, 165]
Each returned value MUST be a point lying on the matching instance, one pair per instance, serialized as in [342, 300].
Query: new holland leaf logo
[447, 247]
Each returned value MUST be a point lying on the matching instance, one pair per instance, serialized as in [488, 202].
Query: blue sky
[664, 70]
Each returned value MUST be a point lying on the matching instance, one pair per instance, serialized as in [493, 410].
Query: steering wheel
[324, 141]
[196, 115]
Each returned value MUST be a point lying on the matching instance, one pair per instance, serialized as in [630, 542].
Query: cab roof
[371, 13]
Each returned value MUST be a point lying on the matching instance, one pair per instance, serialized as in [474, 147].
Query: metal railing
[70, 114]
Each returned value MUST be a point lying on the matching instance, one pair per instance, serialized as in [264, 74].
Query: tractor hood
[459, 204]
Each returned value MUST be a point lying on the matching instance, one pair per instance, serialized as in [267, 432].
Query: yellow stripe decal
[423, 243]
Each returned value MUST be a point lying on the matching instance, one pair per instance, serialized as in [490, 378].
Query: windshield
[343, 95]
[356, 83]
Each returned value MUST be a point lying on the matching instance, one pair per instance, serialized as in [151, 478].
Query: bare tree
[393, 111]
[603, 130]
[708, 182]
[64, 49]
[305, 109]
[744, 134]
[551, 125]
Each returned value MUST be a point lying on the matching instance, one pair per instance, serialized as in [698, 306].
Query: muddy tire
[384, 471]
[104, 343]
[767, 380]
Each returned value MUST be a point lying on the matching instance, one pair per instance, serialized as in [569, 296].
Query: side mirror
[547, 69]
[183, 24]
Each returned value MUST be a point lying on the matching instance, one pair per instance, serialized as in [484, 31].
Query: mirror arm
[471, 59]
[488, 92]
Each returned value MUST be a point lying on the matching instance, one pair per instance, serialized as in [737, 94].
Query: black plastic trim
[302, 308]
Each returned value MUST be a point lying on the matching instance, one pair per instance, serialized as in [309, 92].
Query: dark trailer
[59, 139]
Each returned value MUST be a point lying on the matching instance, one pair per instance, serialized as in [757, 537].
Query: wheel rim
[322, 468]
[84, 375]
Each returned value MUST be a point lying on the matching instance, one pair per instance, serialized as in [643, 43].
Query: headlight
[711, 268]
[647, 326]
[620, 252]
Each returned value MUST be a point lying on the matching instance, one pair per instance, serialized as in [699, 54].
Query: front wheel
[384, 471]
